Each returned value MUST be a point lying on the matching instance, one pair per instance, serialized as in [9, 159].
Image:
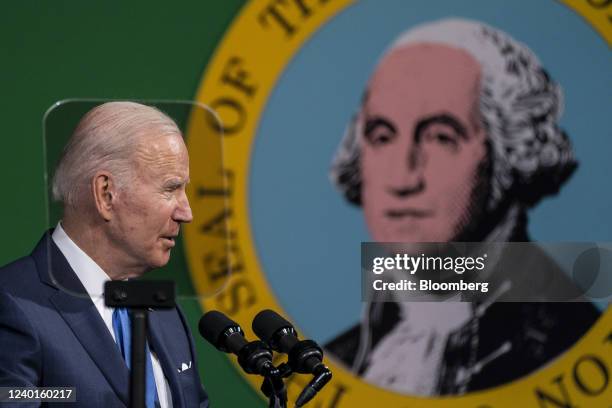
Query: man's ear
[104, 193]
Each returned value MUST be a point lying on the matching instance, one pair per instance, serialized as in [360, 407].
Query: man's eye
[444, 136]
[381, 137]
[169, 191]
[379, 132]
[172, 187]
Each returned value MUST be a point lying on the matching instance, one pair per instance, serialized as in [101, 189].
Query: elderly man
[456, 138]
[122, 181]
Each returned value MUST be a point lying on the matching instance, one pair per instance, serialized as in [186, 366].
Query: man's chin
[413, 235]
[407, 233]
[160, 260]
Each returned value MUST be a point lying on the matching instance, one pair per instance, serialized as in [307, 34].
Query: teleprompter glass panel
[122, 189]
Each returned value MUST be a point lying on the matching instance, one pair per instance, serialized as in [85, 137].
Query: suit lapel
[76, 308]
[89, 328]
[169, 367]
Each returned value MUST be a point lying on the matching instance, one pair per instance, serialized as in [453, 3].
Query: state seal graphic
[391, 121]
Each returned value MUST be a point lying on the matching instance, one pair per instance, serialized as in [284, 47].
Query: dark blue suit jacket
[51, 335]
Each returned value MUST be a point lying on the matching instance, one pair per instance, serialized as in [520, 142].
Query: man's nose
[407, 189]
[183, 211]
[409, 178]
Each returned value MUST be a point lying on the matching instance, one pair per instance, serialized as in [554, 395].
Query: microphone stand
[138, 297]
[274, 387]
[140, 318]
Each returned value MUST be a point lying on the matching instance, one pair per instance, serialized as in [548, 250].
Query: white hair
[520, 106]
[105, 139]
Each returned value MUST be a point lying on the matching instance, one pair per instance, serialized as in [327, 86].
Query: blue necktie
[123, 337]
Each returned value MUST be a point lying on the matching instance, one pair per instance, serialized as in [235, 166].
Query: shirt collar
[87, 270]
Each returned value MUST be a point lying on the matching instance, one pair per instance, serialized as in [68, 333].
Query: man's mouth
[169, 239]
[408, 212]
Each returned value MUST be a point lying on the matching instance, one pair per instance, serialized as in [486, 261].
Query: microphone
[254, 357]
[305, 356]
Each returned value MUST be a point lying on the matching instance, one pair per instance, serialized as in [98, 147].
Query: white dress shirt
[421, 335]
[93, 277]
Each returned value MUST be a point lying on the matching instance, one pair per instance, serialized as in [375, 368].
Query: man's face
[150, 210]
[422, 145]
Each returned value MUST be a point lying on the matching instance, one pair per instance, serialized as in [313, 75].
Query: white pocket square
[184, 367]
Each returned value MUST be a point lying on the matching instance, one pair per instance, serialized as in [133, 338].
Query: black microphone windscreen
[213, 324]
[267, 323]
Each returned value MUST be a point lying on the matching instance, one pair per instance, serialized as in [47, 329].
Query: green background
[55, 50]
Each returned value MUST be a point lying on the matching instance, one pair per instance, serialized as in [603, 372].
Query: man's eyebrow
[175, 182]
[443, 119]
[377, 121]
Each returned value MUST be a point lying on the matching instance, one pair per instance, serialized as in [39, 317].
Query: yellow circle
[237, 84]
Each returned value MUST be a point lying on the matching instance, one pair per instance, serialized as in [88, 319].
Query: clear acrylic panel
[149, 233]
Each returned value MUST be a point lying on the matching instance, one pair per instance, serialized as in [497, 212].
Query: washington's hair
[520, 106]
[105, 139]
